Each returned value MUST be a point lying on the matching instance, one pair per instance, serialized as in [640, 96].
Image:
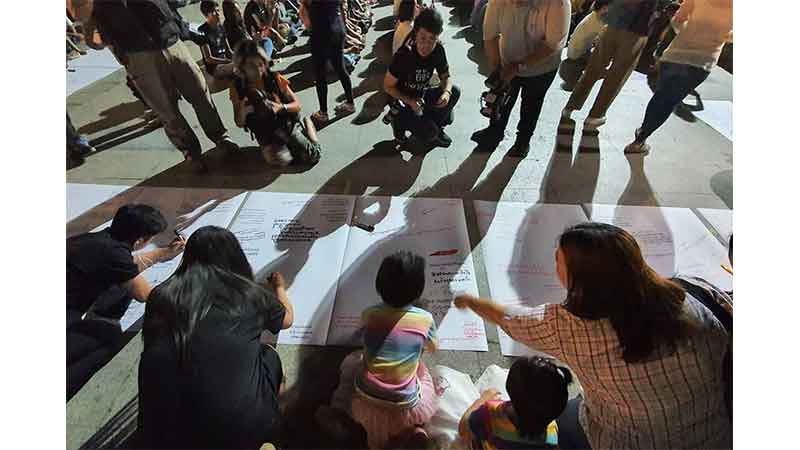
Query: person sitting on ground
[421, 109]
[101, 267]
[265, 105]
[523, 41]
[205, 378]
[648, 354]
[405, 23]
[539, 390]
[705, 27]
[581, 43]
[258, 18]
[235, 30]
[217, 53]
[388, 386]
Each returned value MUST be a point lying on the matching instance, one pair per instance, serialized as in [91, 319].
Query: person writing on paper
[539, 392]
[103, 275]
[205, 378]
[648, 355]
[389, 388]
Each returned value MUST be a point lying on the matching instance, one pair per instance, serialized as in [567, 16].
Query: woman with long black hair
[234, 23]
[327, 44]
[205, 379]
[648, 355]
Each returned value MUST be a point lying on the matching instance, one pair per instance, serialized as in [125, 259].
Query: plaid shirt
[669, 401]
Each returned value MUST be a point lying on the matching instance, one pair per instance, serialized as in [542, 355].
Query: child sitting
[265, 105]
[216, 51]
[390, 387]
[538, 391]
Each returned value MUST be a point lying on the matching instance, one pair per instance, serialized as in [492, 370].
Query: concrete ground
[690, 166]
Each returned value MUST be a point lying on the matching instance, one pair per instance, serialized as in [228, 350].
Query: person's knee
[455, 95]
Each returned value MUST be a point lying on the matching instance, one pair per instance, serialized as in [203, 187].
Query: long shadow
[372, 81]
[114, 116]
[123, 135]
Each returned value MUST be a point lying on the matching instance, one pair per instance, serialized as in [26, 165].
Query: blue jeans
[675, 82]
[269, 46]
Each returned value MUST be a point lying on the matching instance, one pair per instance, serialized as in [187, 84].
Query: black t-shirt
[96, 263]
[256, 9]
[217, 43]
[136, 25]
[234, 33]
[226, 397]
[414, 72]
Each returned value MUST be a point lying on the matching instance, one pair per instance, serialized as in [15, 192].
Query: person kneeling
[265, 105]
[416, 107]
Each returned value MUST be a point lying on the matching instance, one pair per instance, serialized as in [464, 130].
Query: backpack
[263, 124]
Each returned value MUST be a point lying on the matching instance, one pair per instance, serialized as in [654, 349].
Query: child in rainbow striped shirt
[391, 389]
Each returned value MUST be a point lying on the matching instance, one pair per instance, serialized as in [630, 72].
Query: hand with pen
[174, 248]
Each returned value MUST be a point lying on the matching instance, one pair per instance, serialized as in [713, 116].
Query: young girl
[265, 105]
[538, 391]
[391, 388]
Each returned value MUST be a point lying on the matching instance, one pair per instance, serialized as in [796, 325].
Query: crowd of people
[653, 355]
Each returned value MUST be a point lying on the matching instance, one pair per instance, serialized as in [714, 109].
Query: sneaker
[520, 148]
[634, 148]
[593, 123]
[487, 136]
[345, 108]
[320, 117]
[442, 139]
[281, 157]
[226, 144]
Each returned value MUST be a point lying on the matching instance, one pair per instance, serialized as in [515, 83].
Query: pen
[180, 236]
[727, 268]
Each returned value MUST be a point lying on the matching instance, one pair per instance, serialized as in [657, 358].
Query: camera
[493, 100]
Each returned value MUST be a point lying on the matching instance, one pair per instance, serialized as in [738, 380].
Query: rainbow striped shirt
[494, 430]
[394, 339]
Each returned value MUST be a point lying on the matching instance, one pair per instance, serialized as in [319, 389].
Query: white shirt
[584, 35]
[703, 29]
[523, 25]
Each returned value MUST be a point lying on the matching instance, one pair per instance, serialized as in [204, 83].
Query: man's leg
[150, 73]
[192, 85]
[318, 58]
[441, 116]
[626, 56]
[595, 69]
[675, 83]
[534, 90]
[493, 134]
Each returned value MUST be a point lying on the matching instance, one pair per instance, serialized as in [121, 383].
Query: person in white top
[581, 43]
[703, 29]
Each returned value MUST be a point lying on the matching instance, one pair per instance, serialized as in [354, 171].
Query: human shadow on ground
[114, 116]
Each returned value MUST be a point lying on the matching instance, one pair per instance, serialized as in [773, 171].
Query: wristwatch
[283, 107]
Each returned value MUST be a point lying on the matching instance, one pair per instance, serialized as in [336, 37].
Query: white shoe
[281, 157]
[593, 123]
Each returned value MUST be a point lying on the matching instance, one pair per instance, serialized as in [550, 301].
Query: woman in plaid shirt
[648, 355]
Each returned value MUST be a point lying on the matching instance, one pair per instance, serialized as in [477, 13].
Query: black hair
[406, 10]
[401, 278]
[232, 14]
[208, 6]
[133, 222]
[431, 20]
[539, 392]
[214, 272]
[730, 249]
[599, 4]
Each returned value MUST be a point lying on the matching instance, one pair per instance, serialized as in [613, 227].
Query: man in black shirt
[146, 38]
[101, 268]
[421, 109]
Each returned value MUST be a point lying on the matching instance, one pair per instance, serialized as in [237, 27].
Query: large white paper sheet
[519, 244]
[303, 237]
[83, 197]
[719, 115]
[433, 228]
[721, 220]
[673, 240]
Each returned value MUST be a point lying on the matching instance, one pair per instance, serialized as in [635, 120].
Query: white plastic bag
[456, 393]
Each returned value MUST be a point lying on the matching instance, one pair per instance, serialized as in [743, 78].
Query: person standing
[101, 268]
[621, 45]
[146, 38]
[523, 41]
[581, 42]
[327, 45]
[704, 28]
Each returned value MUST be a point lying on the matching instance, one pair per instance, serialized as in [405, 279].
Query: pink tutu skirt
[380, 421]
